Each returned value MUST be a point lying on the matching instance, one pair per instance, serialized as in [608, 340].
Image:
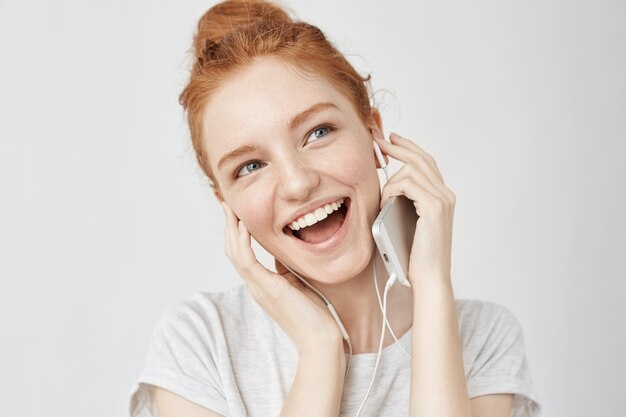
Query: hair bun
[231, 15]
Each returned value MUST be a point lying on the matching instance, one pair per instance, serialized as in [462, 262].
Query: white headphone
[382, 304]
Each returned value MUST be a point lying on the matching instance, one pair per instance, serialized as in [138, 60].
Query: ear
[375, 126]
[375, 123]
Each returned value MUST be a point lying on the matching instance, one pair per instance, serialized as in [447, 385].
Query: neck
[357, 305]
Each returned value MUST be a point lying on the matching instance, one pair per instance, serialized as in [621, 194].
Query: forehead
[259, 101]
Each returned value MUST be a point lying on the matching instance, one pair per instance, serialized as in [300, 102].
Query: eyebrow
[293, 124]
[300, 118]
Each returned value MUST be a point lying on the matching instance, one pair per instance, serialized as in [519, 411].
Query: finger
[425, 202]
[238, 247]
[401, 185]
[229, 230]
[406, 151]
[246, 259]
[269, 284]
[378, 154]
[437, 188]
[402, 141]
[244, 248]
[282, 270]
[414, 173]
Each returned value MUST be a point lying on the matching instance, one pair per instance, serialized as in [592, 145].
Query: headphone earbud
[381, 159]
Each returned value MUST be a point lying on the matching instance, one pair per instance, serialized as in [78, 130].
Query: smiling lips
[321, 226]
[316, 215]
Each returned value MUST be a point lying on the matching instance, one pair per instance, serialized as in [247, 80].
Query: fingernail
[240, 226]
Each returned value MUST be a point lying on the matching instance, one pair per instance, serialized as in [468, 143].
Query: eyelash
[330, 127]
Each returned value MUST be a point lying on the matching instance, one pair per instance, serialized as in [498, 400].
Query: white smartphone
[393, 232]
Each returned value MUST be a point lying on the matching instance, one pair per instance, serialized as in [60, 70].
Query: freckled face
[282, 168]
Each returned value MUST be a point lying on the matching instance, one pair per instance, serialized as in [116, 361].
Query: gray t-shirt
[224, 352]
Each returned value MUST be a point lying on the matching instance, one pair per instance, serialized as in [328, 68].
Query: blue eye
[319, 132]
[249, 167]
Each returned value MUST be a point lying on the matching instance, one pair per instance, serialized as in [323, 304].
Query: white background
[106, 220]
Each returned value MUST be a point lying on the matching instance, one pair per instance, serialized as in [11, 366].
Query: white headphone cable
[383, 165]
[388, 285]
[380, 304]
[383, 305]
[346, 337]
[333, 313]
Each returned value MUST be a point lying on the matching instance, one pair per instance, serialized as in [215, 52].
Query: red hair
[232, 33]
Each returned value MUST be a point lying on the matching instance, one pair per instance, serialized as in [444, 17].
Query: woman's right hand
[292, 305]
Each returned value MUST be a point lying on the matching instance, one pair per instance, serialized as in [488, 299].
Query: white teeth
[310, 219]
[315, 216]
[320, 214]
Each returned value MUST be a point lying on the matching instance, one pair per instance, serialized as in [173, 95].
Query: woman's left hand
[420, 181]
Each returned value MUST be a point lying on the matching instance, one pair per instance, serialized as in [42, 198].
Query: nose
[296, 179]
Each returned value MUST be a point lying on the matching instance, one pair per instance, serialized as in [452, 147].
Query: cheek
[353, 165]
[254, 210]
[356, 171]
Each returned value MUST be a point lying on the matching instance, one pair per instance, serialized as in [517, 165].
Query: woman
[282, 125]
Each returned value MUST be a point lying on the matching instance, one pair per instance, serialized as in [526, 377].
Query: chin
[341, 269]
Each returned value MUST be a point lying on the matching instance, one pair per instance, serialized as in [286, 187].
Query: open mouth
[318, 230]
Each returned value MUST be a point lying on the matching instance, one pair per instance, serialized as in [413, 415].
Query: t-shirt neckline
[389, 351]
